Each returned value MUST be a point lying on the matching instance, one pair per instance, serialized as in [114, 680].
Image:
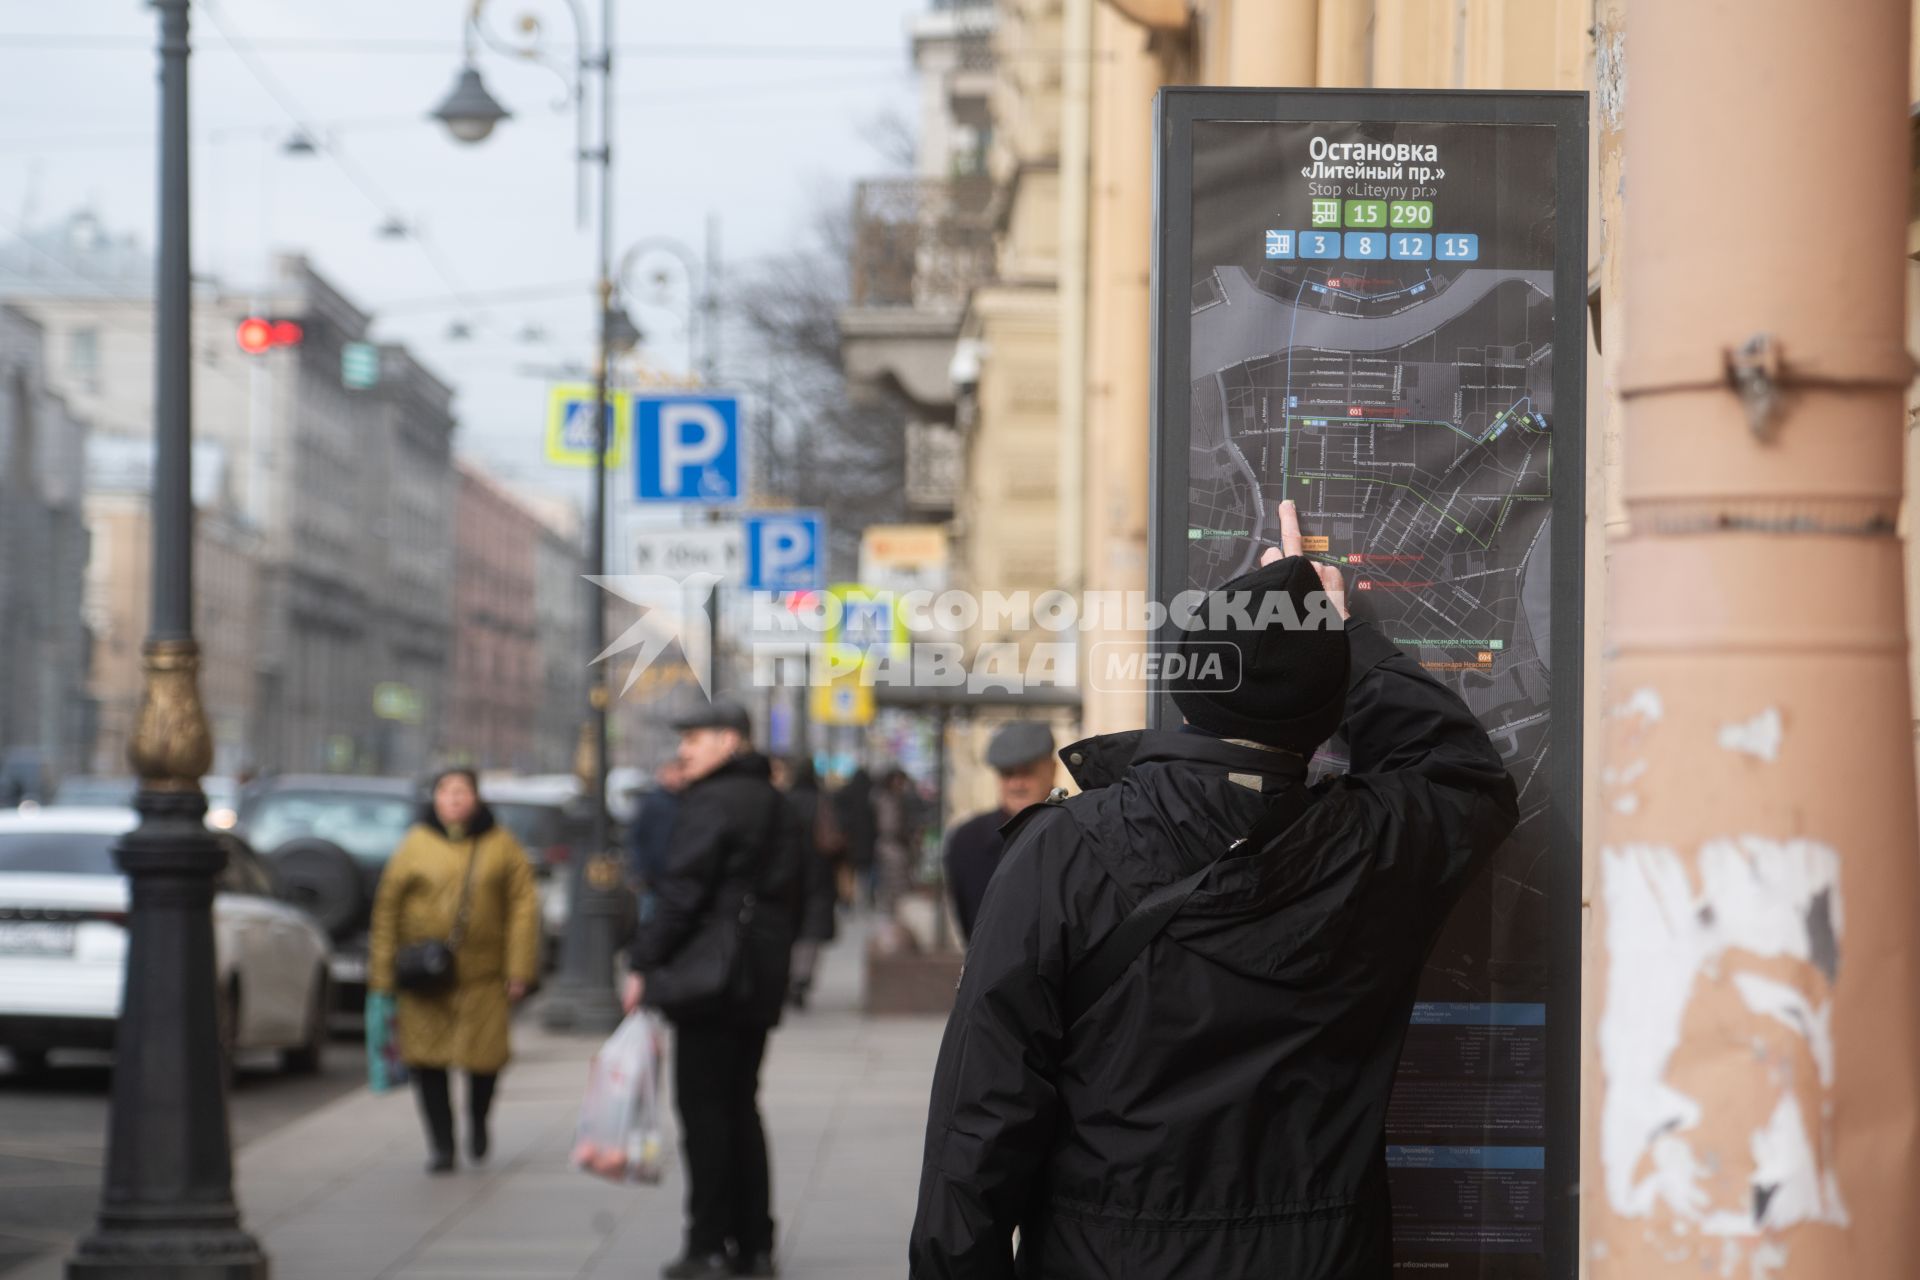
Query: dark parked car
[550, 820]
[327, 838]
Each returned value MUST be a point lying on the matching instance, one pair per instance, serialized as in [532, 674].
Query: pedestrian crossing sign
[570, 425]
[863, 624]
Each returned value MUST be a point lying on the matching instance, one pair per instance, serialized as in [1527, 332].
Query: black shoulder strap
[1116, 952]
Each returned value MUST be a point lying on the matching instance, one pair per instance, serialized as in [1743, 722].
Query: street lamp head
[469, 111]
[623, 335]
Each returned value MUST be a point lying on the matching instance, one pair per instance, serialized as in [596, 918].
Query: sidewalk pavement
[341, 1194]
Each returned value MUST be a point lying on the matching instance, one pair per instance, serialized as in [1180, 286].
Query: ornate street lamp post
[702, 293]
[167, 1210]
[582, 997]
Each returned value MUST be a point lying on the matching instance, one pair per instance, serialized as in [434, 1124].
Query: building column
[1754, 1036]
[1127, 73]
[1266, 44]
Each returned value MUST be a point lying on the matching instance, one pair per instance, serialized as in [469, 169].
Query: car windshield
[70, 853]
[368, 827]
[535, 826]
[93, 792]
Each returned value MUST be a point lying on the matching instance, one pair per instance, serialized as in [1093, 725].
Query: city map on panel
[1372, 336]
[1408, 412]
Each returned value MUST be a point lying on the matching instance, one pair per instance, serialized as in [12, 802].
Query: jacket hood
[481, 823]
[1159, 805]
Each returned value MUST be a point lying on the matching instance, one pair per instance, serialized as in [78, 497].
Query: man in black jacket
[1021, 757]
[729, 866]
[1218, 1111]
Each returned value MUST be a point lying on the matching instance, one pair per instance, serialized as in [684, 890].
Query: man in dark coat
[730, 842]
[1218, 1110]
[1021, 755]
[853, 807]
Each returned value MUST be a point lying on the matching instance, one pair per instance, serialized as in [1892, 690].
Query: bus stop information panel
[1373, 304]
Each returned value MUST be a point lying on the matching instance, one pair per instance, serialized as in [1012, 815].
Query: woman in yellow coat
[496, 953]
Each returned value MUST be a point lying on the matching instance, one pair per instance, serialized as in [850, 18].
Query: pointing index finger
[1290, 542]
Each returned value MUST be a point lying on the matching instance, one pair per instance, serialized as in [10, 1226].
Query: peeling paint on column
[1759, 901]
[1769, 1259]
[1613, 780]
[1610, 76]
[1759, 737]
[1644, 702]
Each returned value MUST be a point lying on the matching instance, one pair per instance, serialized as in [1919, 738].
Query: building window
[83, 357]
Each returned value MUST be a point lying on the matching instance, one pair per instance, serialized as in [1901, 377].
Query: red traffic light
[257, 334]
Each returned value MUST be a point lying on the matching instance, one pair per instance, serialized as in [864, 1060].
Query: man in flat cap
[1021, 753]
[1173, 1045]
[713, 957]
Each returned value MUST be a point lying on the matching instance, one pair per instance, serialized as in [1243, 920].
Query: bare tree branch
[819, 445]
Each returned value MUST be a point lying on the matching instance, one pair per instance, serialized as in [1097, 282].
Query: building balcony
[920, 247]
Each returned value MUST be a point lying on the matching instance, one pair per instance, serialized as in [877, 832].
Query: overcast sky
[756, 110]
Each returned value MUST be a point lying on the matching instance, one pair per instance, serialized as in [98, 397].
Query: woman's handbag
[427, 968]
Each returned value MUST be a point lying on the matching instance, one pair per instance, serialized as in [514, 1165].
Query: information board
[1373, 304]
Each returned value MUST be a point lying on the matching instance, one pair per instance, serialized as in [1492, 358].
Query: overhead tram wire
[354, 174]
[429, 46]
[725, 94]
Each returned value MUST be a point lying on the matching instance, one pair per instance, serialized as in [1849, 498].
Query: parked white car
[63, 944]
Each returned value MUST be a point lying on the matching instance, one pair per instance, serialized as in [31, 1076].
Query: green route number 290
[1412, 213]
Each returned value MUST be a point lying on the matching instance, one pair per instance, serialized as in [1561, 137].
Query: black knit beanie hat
[1280, 677]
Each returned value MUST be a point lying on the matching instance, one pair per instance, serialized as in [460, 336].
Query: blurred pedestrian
[1021, 756]
[853, 805]
[1212, 1103]
[714, 958]
[823, 846]
[653, 823]
[459, 887]
[898, 823]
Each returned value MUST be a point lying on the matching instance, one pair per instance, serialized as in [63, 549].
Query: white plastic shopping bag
[619, 1133]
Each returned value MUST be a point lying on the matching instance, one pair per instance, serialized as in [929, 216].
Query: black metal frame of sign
[1375, 303]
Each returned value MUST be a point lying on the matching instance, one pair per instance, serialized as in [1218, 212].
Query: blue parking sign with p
[786, 550]
[687, 448]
